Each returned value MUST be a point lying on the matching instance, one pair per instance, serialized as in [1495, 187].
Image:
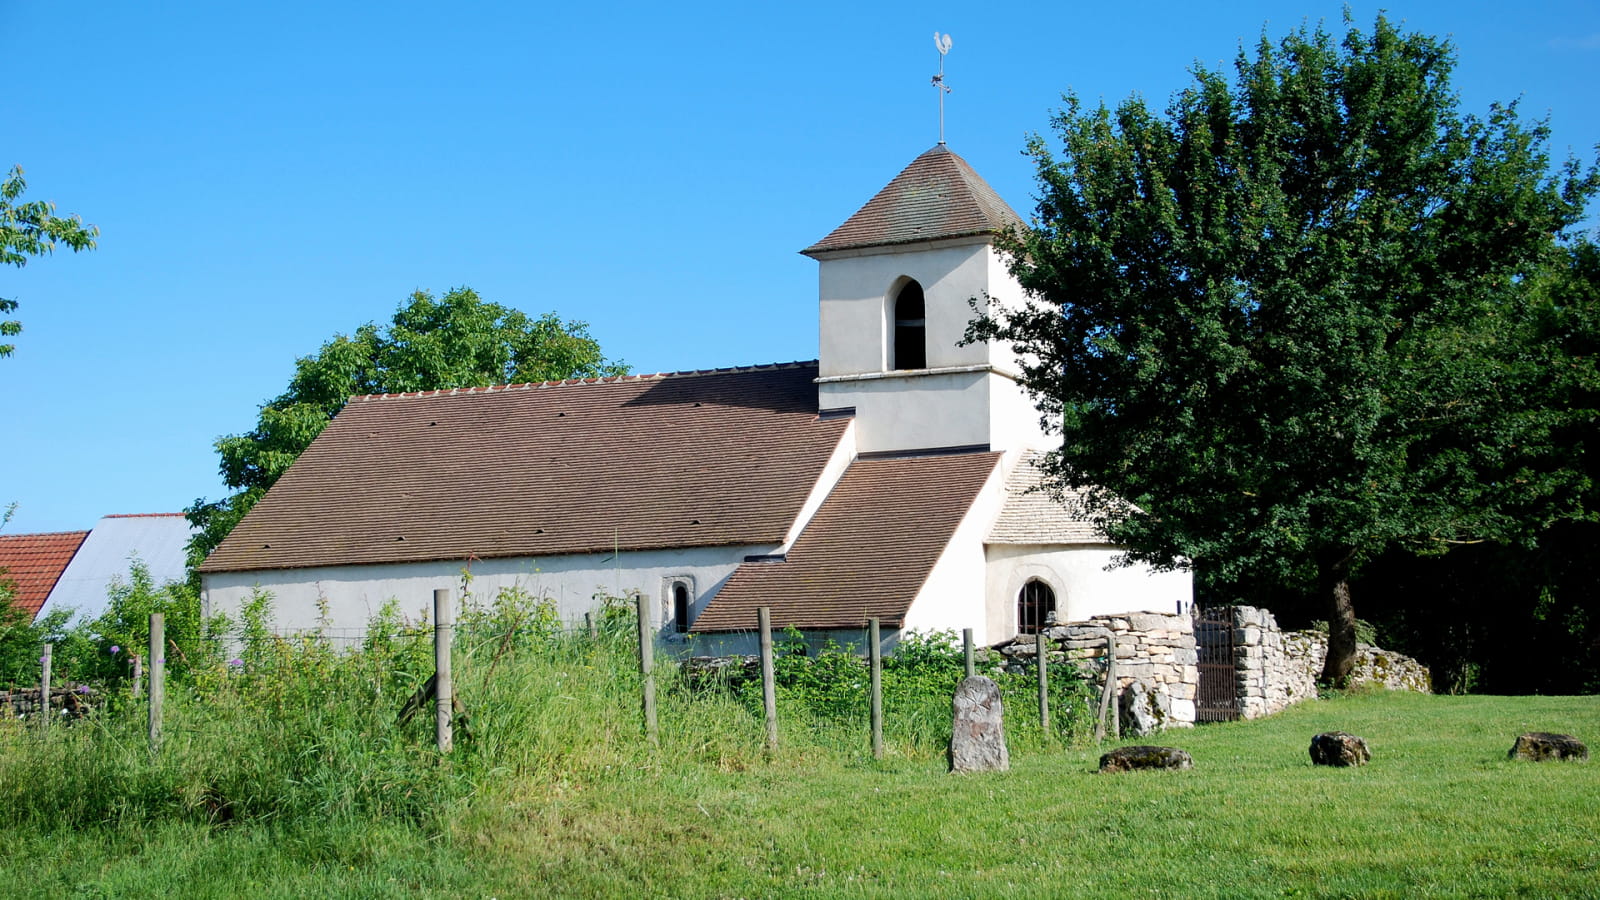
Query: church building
[890, 478]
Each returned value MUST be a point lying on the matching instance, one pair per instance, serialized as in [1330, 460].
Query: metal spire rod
[942, 42]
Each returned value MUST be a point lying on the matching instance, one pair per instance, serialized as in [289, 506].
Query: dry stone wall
[1268, 677]
[1157, 665]
[1276, 669]
[65, 702]
[1158, 672]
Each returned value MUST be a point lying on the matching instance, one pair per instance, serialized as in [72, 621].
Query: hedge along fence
[831, 687]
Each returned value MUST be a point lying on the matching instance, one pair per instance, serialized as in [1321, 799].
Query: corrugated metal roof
[938, 196]
[33, 563]
[696, 459]
[1032, 516]
[159, 540]
[867, 552]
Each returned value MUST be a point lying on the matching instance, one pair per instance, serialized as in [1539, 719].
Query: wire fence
[483, 640]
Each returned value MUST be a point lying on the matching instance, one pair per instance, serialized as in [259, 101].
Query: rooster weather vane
[942, 42]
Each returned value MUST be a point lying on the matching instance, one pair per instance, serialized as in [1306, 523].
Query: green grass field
[559, 796]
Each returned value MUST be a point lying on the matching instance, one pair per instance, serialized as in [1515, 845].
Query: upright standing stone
[977, 735]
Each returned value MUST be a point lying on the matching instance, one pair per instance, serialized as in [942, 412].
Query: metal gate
[1213, 640]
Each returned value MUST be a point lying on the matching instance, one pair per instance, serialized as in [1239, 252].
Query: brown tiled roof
[866, 553]
[685, 460]
[937, 196]
[33, 563]
[1032, 516]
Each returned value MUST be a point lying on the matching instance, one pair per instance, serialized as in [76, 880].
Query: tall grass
[294, 728]
[287, 774]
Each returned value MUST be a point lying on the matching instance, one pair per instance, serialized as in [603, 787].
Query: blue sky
[268, 175]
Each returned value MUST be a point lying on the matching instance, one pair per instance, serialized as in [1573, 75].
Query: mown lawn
[1440, 812]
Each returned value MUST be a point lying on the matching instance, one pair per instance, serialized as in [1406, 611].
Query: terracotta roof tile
[1032, 516]
[867, 552]
[938, 196]
[34, 562]
[714, 458]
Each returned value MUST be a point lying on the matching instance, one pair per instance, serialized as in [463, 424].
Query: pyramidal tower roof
[937, 196]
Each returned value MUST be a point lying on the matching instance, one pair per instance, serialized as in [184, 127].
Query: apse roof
[1034, 515]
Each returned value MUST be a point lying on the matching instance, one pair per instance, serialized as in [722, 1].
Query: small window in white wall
[682, 602]
[1036, 605]
[910, 350]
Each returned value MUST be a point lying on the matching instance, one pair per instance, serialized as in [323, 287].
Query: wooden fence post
[588, 623]
[45, 659]
[158, 676]
[966, 652]
[1109, 688]
[769, 686]
[1111, 670]
[444, 630]
[138, 673]
[875, 665]
[647, 666]
[1041, 645]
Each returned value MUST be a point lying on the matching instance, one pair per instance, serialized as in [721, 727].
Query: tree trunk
[1334, 575]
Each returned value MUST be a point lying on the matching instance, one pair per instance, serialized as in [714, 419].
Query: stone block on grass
[1539, 746]
[1137, 757]
[1339, 748]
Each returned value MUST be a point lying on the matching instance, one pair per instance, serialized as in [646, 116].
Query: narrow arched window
[910, 350]
[1036, 605]
[680, 607]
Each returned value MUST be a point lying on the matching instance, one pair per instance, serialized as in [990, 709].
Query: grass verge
[1440, 812]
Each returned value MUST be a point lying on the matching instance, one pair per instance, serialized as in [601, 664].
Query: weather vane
[941, 41]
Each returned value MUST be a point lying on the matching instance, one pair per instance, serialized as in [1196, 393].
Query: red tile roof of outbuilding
[866, 553]
[33, 563]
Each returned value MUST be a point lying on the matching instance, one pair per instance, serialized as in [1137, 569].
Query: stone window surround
[1033, 571]
[675, 629]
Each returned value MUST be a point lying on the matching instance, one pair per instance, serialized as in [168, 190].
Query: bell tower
[896, 281]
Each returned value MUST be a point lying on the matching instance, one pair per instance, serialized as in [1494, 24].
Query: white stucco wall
[355, 593]
[1005, 293]
[1014, 422]
[1082, 583]
[966, 396]
[844, 453]
[856, 296]
[953, 597]
[905, 412]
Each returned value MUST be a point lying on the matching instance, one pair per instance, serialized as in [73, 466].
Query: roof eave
[871, 248]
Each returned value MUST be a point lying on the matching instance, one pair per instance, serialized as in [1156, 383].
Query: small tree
[125, 625]
[32, 229]
[457, 340]
[1282, 327]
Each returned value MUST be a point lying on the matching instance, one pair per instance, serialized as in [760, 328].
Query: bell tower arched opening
[909, 349]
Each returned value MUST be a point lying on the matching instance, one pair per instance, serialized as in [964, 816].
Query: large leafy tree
[32, 229]
[457, 340]
[1283, 326]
